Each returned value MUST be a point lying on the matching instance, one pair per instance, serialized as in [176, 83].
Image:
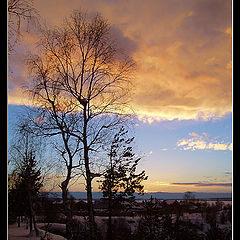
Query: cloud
[125, 44]
[193, 134]
[230, 146]
[183, 70]
[199, 184]
[163, 149]
[202, 142]
[182, 50]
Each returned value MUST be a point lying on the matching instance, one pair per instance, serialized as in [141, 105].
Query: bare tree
[80, 73]
[19, 11]
[41, 123]
[50, 121]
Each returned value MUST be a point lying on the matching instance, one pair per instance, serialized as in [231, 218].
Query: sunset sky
[183, 84]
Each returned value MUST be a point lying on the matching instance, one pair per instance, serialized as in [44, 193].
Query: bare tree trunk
[92, 224]
[18, 219]
[35, 226]
[109, 233]
[26, 222]
[30, 212]
[30, 223]
[32, 215]
[67, 210]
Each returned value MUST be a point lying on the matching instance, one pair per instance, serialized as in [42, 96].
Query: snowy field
[21, 233]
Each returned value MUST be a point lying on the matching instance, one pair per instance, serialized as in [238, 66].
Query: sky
[183, 84]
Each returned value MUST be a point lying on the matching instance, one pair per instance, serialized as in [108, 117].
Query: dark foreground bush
[55, 229]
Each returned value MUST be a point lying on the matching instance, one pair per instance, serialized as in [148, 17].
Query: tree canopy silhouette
[121, 180]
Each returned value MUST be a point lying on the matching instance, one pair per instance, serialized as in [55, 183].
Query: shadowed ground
[20, 233]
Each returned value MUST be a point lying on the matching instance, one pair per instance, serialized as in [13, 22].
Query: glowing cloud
[199, 184]
[182, 50]
[203, 142]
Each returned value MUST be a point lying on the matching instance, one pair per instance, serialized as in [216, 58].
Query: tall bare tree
[79, 73]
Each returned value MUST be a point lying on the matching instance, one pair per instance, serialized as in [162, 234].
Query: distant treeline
[157, 195]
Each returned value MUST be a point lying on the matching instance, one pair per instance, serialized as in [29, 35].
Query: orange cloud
[182, 49]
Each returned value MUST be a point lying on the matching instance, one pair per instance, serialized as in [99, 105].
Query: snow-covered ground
[21, 233]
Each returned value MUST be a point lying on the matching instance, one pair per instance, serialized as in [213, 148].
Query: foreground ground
[21, 233]
[200, 218]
